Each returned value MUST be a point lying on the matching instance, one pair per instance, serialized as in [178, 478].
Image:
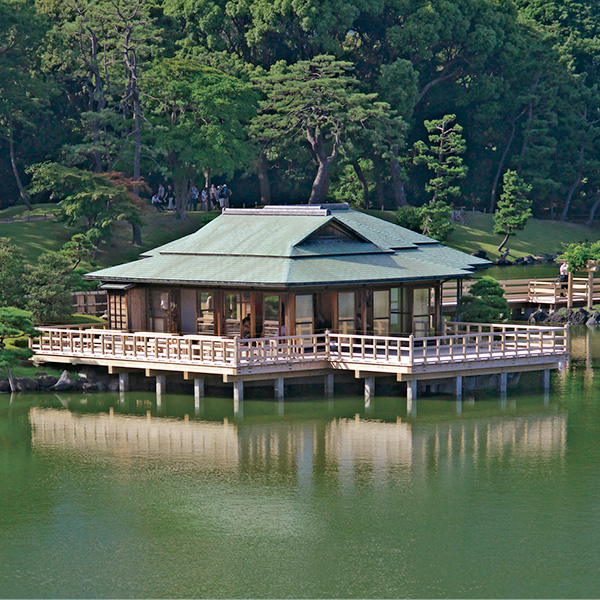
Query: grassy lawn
[37, 237]
[538, 237]
[158, 229]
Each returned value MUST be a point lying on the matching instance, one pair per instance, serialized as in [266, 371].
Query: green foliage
[442, 157]
[318, 102]
[514, 206]
[81, 247]
[100, 199]
[435, 220]
[577, 256]
[410, 217]
[12, 275]
[14, 322]
[49, 284]
[485, 302]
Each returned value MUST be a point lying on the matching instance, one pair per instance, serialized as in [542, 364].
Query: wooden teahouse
[293, 270]
[296, 291]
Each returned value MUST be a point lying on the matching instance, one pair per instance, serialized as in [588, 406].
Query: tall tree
[23, 89]
[318, 103]
[514, 207]
[100, 199]
[443, 157]
[199, 118]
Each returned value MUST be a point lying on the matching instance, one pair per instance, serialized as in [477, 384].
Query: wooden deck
[534, 293]
[464, 349]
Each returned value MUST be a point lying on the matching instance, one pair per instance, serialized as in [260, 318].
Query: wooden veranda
[464, 349]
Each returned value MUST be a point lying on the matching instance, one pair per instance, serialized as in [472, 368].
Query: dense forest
[302, 100]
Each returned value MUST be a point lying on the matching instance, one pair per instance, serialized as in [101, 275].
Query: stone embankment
[504, 260]
[568, 316]
[84, 381]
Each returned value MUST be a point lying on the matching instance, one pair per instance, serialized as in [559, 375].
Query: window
[381, 312]
[422, 312]
[117, 310]
[232, 315]
[206, 313]
[164, 310]
[401, 310]
[271, 316]
[304, 314]
[346, 312]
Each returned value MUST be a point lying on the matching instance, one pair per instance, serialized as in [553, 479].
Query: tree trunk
[11, 381]
[502, 161]
[363, 183]
[136, 234]
[181, 187]
[318, 185]
[593, 211]
[397, 184]
[13, 162]
[573, 186]
[263, 181]
[503, 242]
[379, 184]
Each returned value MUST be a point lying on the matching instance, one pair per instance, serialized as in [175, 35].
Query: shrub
[484, 303]
[409, 217]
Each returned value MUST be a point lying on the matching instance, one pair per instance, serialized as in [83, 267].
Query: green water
[101, 497]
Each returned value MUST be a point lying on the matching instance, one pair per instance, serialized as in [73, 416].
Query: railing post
[236, 352]
[327, 345]
[411, 348]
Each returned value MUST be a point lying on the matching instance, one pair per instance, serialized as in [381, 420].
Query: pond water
[101, 496]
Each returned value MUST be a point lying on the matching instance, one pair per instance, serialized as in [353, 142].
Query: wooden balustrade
[539, 291]
[461, 342]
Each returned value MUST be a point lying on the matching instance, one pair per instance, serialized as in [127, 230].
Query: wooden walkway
[532, 293]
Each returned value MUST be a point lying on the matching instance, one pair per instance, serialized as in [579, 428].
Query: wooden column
[238, 390]
[198, 392]
[503, 384]
[123, 382]
[458, 386]
[590, 289]
[161, 384]
[546, 380]
[570, 290]
[369, 388]
[279, 388]
[329, 385]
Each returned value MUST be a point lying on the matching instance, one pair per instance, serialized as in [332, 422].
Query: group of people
[213, 198]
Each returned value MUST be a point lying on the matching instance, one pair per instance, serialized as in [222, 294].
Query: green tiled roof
[287, 247]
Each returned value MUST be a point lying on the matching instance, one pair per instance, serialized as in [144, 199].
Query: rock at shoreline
[46, 382]
[64, 383]
[25, 384]
[4, 386]
[539, 316]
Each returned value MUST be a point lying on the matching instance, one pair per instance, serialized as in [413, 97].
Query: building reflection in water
[350, 450]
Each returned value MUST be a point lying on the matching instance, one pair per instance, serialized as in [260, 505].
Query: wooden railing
[461, 342]
[549, 291]
[538, 291]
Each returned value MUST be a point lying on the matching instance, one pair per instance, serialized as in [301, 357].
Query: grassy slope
[538, 237]
[37, 237]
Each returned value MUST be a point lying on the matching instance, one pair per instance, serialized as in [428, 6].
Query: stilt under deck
[466, 349]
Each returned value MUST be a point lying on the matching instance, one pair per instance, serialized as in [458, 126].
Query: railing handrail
[505, 325]
[476, 341]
